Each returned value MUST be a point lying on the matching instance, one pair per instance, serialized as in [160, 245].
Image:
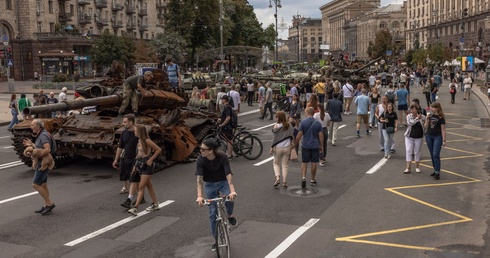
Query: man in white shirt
[467, 86]
[236, 97]
[62, 97]
[372, 81]
[403, 78]
[348, 91]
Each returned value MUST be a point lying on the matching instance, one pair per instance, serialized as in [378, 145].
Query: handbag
[390, 129]
[294, 155]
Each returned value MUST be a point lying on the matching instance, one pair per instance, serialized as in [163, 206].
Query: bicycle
[244, 143]
[222, 236]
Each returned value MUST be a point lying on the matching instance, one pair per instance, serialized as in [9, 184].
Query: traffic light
[465, 12]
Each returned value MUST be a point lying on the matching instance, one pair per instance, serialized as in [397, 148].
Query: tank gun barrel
[367, 65]
[73, 104]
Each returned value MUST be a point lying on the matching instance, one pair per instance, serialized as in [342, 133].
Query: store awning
[56, 53]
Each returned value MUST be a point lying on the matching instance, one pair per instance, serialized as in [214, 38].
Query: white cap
[64, 89]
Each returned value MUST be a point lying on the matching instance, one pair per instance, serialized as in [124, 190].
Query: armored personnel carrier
[95, 133]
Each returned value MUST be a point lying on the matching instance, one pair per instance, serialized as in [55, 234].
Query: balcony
[86, 19]
[161, 5]
[117, 24]
[117, 7]
[102, 22]
[101, 3]
[130, 9]
[143, 27]
[83, 2]
[143, 12]
[130, 26]
[65, 17]
[56, 35]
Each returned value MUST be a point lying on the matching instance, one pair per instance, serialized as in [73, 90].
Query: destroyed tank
[94, 132]
[359, 75]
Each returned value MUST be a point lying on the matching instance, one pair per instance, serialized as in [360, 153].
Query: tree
[269, 37]
[145, 53]
[170, 43]
[436, 53]
[110, 47]
[382, 42]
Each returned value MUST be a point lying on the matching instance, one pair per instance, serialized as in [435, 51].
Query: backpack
[233, 118]
[52, 143]
[230, 101]
[391, 96]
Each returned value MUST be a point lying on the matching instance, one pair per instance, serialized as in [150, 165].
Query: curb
[484, 99]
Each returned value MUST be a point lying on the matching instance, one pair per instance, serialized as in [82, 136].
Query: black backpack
[391, 96]
[233, 118]
[52, 143]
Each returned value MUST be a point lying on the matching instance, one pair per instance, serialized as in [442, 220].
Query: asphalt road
[350, 213]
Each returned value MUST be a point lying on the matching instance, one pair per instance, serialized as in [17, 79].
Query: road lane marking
[247, 112]
[3, 137]
[342, 126]
[113, 226]
[17, 197]
[263, 161]
[291, 238]
[11, 164]
[260, 128]
[378, 166]
[8, 147]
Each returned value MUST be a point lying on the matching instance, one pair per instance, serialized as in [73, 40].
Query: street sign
[10, 63]
[461, 40]
[324, 47]
[477, 49]
[5, 38]
[5, 43]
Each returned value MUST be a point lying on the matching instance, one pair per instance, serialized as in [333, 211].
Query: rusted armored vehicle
[341, 74]
[176, 128]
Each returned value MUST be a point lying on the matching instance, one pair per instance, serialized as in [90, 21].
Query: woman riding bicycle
[214, 173]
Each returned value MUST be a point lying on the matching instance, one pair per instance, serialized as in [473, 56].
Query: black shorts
[142, 168]
[310, 155]
[126, 166]
[228, 132]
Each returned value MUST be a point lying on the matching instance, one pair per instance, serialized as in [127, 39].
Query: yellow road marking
[395, 190]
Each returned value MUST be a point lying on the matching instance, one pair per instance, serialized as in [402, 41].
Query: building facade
[56, 36]
[304, 40]
[335, 14]
[463, 26]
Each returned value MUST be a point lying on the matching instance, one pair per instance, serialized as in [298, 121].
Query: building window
[395, 25]
[51, 27]
[8, 4]
[39, 26]
[38, 6]
[50, 6]
[382, 25]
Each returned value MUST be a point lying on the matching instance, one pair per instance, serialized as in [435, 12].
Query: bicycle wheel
[222, 240]
[221, 142]
[250, 147]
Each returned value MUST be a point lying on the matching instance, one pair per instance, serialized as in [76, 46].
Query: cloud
[306, 8]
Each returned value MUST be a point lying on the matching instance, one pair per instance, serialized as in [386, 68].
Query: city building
[463, 26]
[334, 16]
[55, 36]
[304, 40]
[391, 18]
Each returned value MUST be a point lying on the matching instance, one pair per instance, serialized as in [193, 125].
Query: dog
[47, 161]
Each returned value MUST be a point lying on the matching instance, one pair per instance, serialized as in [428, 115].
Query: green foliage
[59, 78]
[382, 42]
[110, 47]
[437, 53]
[53, 85]
[419, 56]
[269, 37]
[170, 43]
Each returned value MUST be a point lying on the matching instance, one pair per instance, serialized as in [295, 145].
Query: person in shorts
[225, 124]
[125, 162]
[145, 166]
[40, 181]
[403, 98]
[363, 103]
[312, 133]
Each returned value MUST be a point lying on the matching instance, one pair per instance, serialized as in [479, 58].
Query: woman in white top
[221, 93]
[195, 93]
[380, 109]
[282, 143]
[324, 119]
[250, 92]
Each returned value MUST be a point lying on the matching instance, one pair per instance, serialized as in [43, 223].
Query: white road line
[11, 164]
[17, 197]
[342, 126]
[113, 226]
[291, 238]
[248, 112]
[260, 128]
[8, 147]
[2, 137]
[378, 165]
[263, 161]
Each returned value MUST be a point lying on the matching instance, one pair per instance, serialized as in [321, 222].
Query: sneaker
[386, 156]
[407, 171]
[382, 150]
[437, 177]
[358, 136]
[47, 210]
[142, 201]
[417, 170]
[233, 221]
[313, 182]
[322, 163]
[153, 207]
[123, 191]
[214, 247]
[303, 183]
[40, 210]
[393, 151]
[126, 204]
[133, 211]
[433, 174]
[368, 133]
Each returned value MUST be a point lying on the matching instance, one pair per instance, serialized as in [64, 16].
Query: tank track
[19, 135]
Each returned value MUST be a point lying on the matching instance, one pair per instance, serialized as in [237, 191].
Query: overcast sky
[307, 8]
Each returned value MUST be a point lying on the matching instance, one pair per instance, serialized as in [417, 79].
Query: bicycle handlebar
[224, 198]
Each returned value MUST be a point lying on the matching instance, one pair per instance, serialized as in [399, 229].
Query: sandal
[284, 185]
[124, 190]
[417, 170]
[278, 181]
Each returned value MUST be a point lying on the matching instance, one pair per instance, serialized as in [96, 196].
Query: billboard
[467, 63]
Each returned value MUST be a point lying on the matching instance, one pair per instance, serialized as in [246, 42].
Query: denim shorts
[403, 107]
[141, 166]
[310, 155]
[40, 177]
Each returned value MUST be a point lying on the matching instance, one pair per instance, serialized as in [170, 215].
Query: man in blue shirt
[173, 73]
[363, 104]
[403, 99]
[311, 146]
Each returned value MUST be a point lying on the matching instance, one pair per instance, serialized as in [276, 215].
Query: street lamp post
[222, 55]
[277, 4]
